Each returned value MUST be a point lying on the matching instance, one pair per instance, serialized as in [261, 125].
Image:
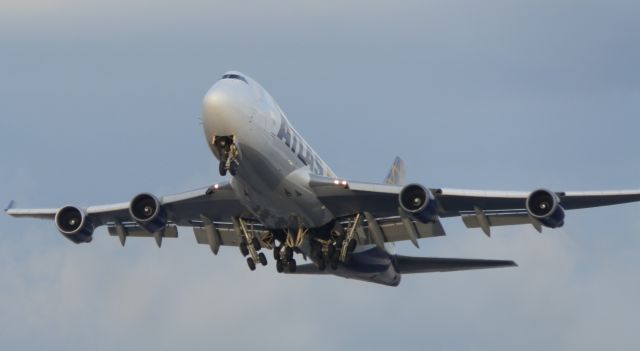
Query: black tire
[292, 265]
[244, 249]
[347, 259]
[288, 253]
[256, 244]
[352, 245]
[334, 262]
[251, 264]
[262, 258]
[222, 168]
[276, 252]
[233, 168]
[331, 250]
[279, 266]
[321, 265]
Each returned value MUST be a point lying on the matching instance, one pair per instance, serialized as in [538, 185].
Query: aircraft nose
[224, 110]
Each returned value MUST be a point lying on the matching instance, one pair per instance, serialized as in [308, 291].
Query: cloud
[105, 297]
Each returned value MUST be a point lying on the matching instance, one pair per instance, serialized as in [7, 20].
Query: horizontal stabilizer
[408, 265]
[307, 268]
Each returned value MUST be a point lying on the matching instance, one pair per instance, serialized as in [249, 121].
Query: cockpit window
[235, 76]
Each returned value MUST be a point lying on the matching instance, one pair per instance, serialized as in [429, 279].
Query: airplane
[283, 197]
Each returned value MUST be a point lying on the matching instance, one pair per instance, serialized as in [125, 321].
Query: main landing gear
[283, 254]
[338, 247]
[229, 155]
[249, 245]
[327, 251]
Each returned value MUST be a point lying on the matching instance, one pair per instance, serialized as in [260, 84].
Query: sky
[100, 100]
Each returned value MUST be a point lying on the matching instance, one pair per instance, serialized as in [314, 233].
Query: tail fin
[407, 265]
[396, 173]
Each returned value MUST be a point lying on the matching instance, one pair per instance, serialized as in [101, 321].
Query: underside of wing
[478, 209]
[455, 201]
[199, 208]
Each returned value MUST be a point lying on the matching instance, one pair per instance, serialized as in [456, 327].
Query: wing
[202, 209]
[478, 209]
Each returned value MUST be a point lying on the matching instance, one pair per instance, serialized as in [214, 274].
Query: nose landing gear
[229, 154]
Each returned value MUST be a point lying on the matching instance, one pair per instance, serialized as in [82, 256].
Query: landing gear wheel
[222, 168]
[331, 250]
[262, 258]
[322, 265]
[334, 262]
[351, 246]
[233, 168]
[256, 244]
[288, 253]
[291, 265]
[251, 264]
[276, 252]
[279, 266]
[244, 249]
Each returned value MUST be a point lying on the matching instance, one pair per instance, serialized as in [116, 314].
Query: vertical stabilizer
[396, 173]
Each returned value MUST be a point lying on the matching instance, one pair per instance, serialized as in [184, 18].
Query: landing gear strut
[349, 243]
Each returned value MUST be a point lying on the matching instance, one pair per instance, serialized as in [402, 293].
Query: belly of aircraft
[274, 188]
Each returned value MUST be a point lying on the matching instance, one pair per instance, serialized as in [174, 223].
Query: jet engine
[419, 203]
[544, 206]
[74, 224]
[147, 211]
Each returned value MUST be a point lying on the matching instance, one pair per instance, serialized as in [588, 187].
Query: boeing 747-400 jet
[283, 197]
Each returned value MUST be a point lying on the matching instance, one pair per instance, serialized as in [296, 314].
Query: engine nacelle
[74, 224]
[419, 203]
[544, 206]
[147, 211]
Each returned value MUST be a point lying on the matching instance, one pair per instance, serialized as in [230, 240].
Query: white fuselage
[275, 162]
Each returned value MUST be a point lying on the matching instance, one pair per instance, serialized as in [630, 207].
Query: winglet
[9, 206]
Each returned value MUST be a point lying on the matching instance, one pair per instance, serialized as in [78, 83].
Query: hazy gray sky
[99, 100]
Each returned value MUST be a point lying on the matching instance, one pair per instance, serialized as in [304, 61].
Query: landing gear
[284, 253]
[337, 247]
[291, 265]
[233, 168]
[244, 249]
[349, 243]
[229, 155]
[251, 263]
[288, 253]
[249, 244]
[256, 244]
[276, 252]
[351, 246]
[262, 258]
[322, 265]
[333, 262]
